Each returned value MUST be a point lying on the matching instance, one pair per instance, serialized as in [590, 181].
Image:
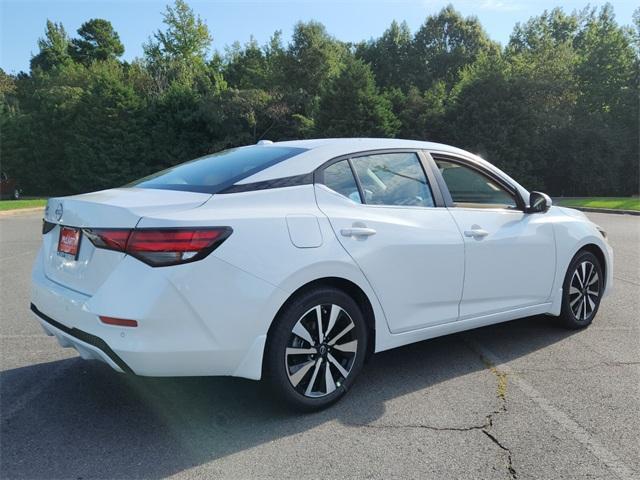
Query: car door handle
[357, 232]
[476, 233]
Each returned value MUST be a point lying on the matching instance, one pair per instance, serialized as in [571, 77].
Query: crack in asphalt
[501, 394]
[484, 428]
[580, 433]
[512, 470]
[422, 425]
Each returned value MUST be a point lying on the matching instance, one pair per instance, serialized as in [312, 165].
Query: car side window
[470, 188]
[393, 179]
[339, 177]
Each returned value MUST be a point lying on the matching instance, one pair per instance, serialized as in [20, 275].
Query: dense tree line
[557, 107]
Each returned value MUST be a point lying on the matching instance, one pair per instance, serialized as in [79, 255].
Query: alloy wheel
[321, 350]
[584, 290]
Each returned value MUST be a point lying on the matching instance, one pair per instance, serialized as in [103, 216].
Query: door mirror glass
[539, 202]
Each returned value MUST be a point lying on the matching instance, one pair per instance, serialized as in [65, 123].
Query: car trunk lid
[115, 208]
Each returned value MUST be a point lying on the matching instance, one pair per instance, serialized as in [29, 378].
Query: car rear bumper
[88, 346]
[181, 330]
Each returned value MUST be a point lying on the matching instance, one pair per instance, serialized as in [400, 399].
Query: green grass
[621, 203]
[17, 204]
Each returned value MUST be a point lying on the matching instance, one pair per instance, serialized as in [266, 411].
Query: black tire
[579, 306]
[282, 368]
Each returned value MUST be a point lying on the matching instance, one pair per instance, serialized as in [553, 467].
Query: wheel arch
[599, 254]
[340, 283]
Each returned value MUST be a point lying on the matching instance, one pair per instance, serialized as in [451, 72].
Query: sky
[22, 22]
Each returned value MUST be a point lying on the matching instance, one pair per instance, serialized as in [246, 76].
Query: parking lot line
[609, 459]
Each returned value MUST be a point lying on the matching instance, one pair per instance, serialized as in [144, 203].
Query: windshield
[213, 173]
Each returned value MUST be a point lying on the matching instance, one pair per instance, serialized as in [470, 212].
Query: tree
[607, 104]
[247, 68]
[421, 114]
[606, 65]
[54, 48]
[389, 56]
[491, 116]
[98, 42]
[241, 117]
[636, 33]
[558, 103]
[353, 106]
[186, 38]
[92, 158]
[552, 28]
[179, 53]
[7, 88]
[446, 43]
[312, 59]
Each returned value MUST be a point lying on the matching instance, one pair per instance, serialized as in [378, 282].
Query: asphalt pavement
[524, 399]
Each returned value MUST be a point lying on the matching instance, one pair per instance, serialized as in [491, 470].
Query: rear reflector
[161, 246]
[120, 322]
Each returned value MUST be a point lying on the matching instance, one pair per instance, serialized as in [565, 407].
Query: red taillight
[171, 240]
[172, 246]
[120, 322]
[162, 246]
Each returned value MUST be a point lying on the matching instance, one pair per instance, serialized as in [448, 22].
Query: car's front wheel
[582, 290]
[316, 348]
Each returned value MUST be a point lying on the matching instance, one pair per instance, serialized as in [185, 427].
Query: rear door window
[339, 178]
[393, 179]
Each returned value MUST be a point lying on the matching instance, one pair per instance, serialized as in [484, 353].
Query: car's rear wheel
[582, 290]
[316, 348]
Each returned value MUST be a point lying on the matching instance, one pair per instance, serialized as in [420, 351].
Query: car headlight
[602, 232]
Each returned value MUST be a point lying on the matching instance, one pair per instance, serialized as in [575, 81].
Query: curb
[18, 211]
[605, 210]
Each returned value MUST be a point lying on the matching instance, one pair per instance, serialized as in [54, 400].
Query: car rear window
[213, 173]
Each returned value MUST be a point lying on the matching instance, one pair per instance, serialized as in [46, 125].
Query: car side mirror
[539, 202]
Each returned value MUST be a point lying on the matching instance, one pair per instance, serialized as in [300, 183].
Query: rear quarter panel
[262, 244]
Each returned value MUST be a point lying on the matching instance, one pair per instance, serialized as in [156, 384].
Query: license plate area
[69, 242]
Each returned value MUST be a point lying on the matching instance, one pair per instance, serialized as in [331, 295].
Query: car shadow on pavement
[88, 421]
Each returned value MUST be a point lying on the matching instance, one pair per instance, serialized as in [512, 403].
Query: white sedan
[295, 261]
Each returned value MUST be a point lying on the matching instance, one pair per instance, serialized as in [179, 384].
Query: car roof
[318, 151]
[351, 145]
